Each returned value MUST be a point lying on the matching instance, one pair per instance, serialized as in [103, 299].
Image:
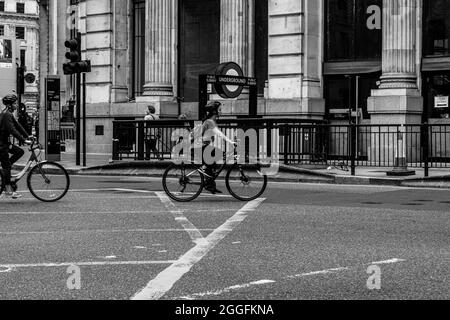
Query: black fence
[301, 142]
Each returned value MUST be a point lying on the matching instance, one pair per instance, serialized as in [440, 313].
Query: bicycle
[47, 181]
[185, 182]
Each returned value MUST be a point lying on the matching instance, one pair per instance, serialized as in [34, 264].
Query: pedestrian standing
[152, 134]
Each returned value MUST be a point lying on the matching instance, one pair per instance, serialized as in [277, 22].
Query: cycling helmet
[212, 109]
[9, 100]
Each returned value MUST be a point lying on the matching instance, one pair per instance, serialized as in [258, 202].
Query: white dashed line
[84, 264]
[192, 230]
[266, 282]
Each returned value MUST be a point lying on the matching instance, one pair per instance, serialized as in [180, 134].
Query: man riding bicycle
[9, 126]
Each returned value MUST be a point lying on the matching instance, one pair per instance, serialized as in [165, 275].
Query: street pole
[78, 92]
[84, 121]
[78, 136]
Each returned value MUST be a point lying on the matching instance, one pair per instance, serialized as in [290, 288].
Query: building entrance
[349, 92]
[199, 51]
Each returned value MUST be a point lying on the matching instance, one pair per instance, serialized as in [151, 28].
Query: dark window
[20, 33]
[261, 44]
[99, 130]
[353, 30]
[2, 6]
[20, 7]
[436, 27]
[138, 47]
[2, 31]
[199, 44]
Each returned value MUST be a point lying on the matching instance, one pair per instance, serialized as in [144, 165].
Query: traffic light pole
[78, 91]
[78, 136]
[84, 121]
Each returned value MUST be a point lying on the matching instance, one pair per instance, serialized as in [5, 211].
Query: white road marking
[160, 285]
[192, 230]
[109, 257]
[227, 290]
[266, 282]
[316, 273]
[10, 213]
[392, 261]
[9, 233]
[84, 264]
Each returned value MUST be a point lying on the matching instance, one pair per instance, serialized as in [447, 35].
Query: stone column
[159, 48]
[399, 44]
[234, 32]
[398, 100]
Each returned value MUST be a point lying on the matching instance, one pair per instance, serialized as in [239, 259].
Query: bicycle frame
[33, 159]
[226, 158]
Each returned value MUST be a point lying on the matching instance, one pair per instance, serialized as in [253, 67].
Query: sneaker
[16, 195]
[213, 190]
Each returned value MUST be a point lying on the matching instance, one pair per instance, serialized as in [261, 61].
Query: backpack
[153, 133]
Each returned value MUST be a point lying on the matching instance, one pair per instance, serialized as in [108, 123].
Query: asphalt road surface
[121, 238]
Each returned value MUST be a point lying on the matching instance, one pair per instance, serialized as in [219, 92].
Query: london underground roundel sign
[230, 91]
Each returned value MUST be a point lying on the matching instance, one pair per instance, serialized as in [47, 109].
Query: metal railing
[303, 142]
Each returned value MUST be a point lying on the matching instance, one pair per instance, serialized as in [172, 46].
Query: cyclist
[210, 130]
[9, 126]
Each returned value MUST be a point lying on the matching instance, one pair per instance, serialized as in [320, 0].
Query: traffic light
[20, 85]
[76, 65]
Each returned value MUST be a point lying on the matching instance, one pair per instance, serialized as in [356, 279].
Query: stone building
[387, 60]
[19, 45]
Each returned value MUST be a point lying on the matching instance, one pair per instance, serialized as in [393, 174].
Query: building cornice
[29, 21]
[19, 16]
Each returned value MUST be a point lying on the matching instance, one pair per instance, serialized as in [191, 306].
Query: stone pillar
[398, 100]
[399, 45]
[234, 32]
[159, 48]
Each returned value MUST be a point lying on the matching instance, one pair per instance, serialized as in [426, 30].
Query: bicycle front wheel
[183, 183]
[246, 182]
[48, 182]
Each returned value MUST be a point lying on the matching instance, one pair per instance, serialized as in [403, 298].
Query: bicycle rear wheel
[48, 182]
[246, 182]
[183, 183]
[2, 182]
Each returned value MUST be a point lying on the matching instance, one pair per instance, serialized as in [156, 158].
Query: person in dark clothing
[9, 126]
[23, 119]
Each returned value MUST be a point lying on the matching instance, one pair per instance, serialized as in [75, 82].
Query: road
[121, 238]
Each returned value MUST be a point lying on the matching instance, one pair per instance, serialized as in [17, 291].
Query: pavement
[102, 164]
[120, 238]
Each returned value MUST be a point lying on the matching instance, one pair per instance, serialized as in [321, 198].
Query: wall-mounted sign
[30, 78]
[227, 73]
[441, 102]
[229, 82]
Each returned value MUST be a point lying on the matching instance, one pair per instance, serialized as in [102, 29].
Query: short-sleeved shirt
[207, 131]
